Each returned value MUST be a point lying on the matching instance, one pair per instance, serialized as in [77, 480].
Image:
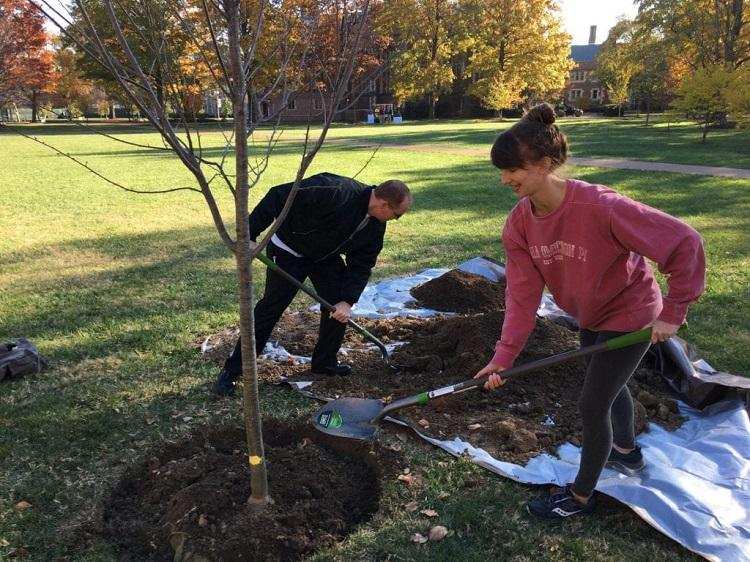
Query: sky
[579, 15]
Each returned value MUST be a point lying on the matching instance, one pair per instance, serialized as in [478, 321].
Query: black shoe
[225, 382]
[337, 370]
[560, 504]
[627, 463]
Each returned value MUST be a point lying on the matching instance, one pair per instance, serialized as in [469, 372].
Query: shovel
[270, 264]
[356, 418]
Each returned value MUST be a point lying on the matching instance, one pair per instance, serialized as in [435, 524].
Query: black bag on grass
[19, 358]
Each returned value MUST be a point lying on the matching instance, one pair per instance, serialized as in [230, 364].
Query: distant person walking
[588, 245]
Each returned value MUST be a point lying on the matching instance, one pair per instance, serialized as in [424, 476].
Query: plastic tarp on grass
[696, 485]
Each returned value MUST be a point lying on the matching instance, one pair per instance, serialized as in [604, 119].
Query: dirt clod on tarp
[459, 291]
[189, 498]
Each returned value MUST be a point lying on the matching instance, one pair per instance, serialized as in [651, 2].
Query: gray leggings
[606, 406]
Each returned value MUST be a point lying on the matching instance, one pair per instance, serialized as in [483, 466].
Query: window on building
[318, 103]
[372, 86]
[292, 104]
[578, 76]
[265, 109]
[575, 94]
[595, 94]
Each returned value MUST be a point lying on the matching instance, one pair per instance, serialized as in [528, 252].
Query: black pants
[278, 295]
[606, 406]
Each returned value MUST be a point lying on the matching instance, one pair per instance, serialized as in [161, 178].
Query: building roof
[584, 53]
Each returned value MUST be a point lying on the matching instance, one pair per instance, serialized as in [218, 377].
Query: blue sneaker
[559, 503]
[628, 463]
[225, 383]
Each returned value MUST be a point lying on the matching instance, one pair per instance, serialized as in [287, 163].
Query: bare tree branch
[90, 169]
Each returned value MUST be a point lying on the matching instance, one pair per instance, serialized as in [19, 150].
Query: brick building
[583, 89]
[308, 106]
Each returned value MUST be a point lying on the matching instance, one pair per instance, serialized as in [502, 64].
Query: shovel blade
[348, 417]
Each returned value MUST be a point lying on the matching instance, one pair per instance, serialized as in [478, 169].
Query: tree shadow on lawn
[146, 288]
[146, 280]
[215, 152]
[475, 187]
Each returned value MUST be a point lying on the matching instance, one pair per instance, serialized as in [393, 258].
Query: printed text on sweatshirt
[590, 252]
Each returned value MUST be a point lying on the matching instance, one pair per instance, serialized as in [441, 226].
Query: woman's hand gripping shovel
[269, 263]
[357, 418]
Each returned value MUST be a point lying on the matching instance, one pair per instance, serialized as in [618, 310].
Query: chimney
[592, 35]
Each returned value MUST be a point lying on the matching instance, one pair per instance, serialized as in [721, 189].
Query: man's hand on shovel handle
[491, 371]
[342, 312]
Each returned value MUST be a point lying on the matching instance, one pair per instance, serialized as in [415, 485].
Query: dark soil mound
[534, 412]
[458, 291]
[190, 497]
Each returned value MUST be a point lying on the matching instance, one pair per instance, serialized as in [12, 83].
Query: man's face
[385, 211]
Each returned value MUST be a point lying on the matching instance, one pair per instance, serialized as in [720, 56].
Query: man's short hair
[394, 192]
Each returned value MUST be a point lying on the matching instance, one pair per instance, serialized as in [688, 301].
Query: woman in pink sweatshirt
[588, 245]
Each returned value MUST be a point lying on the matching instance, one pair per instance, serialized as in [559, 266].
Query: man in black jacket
[332, 234]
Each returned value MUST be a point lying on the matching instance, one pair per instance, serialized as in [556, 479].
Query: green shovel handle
[632, 338]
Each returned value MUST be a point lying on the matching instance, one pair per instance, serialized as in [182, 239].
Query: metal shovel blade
[348, 417]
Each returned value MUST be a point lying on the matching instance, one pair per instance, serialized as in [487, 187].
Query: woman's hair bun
[542, 113]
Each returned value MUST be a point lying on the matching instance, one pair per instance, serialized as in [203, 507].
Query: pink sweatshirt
[589, 252]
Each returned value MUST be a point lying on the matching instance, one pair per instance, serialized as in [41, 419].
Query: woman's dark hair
[531, 139]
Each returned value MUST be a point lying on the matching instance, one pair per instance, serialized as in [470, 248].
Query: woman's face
[525, 181]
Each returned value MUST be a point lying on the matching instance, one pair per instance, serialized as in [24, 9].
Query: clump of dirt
[458, 291]
[188, 499]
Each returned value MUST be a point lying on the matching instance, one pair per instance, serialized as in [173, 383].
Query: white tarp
[696, 486]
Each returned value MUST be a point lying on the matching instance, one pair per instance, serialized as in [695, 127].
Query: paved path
[622, 164]
[617, 163]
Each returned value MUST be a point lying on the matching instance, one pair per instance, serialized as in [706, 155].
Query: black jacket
[321, 225]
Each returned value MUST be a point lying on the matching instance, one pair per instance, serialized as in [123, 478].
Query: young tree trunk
[432, 101]
[259, 495]
[34, 107]
[648, 110]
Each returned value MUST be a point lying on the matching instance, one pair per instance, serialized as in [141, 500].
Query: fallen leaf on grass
[202, 520]
[3, 542]
[411, 506]
[22, 505]
[443, 495]
[474, 426]
[424, 423]
[429, 513]
[407, 479]
[419, 538]
[438, 533]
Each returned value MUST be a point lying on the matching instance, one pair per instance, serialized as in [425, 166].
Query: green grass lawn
[114, 288]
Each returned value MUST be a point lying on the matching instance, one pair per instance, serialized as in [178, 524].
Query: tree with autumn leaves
[693, 52]
[506, 51]
[26, 61]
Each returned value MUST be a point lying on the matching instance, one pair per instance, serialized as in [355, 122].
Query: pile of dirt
[187, 501]
[532, 413]
[535, 412]
[458, 291]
